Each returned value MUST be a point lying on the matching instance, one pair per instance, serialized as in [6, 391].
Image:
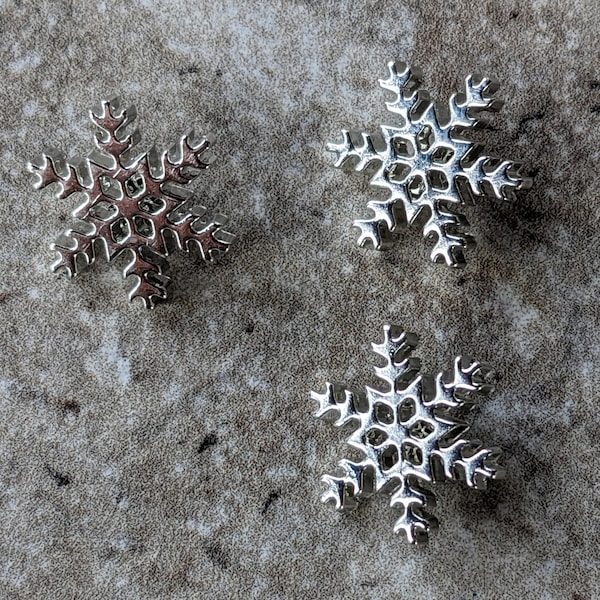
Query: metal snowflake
[428, 165]
[136, 202]
[411, 433]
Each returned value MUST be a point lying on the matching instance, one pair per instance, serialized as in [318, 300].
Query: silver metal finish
[428, 165]
[410, 432]
[136, 202]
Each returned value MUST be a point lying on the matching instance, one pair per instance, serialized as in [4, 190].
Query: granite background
[172, 454]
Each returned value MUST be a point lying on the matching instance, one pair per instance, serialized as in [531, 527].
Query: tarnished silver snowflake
[135, 202]
[428, 165]
[408, 434]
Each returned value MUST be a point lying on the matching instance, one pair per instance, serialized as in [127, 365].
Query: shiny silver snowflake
[135, 202]
[413, 432]
[428, 165]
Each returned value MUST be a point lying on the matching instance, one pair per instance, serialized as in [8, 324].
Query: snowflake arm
[428, 165]
[135, 202]
[457, 457]
[410, 430]
[337, 401]
[415, 522]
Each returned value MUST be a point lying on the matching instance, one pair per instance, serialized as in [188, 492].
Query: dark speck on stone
[272, 497]
[595, 108]
[72, 406]
[514, 14]
[60, 479]
[207, 442]
[219, 73]
[595, 84]
[250, 328]
[193, 70]
[217, 555]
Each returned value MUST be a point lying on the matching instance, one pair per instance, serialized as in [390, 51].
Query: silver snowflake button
[428, 165]
[136, 202]
[410, 432]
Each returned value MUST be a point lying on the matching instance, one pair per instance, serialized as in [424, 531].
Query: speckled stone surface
[172, 454]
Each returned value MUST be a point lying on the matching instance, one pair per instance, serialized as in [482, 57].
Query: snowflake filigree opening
[410, 432]
[428, 165]
[135, 201]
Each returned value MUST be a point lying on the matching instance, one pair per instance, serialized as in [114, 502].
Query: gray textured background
[173, 454]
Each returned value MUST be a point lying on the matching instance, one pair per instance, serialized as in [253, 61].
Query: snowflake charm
[135, 201]
[428, 165]
[409, 434]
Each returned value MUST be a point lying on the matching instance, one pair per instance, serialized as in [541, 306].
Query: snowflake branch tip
[339, 493]
[404, 82]
[410, 432]
[136, 202]
[338, 402]
[416, 523]
[471, 376]
[427, 163]
[400, 368]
